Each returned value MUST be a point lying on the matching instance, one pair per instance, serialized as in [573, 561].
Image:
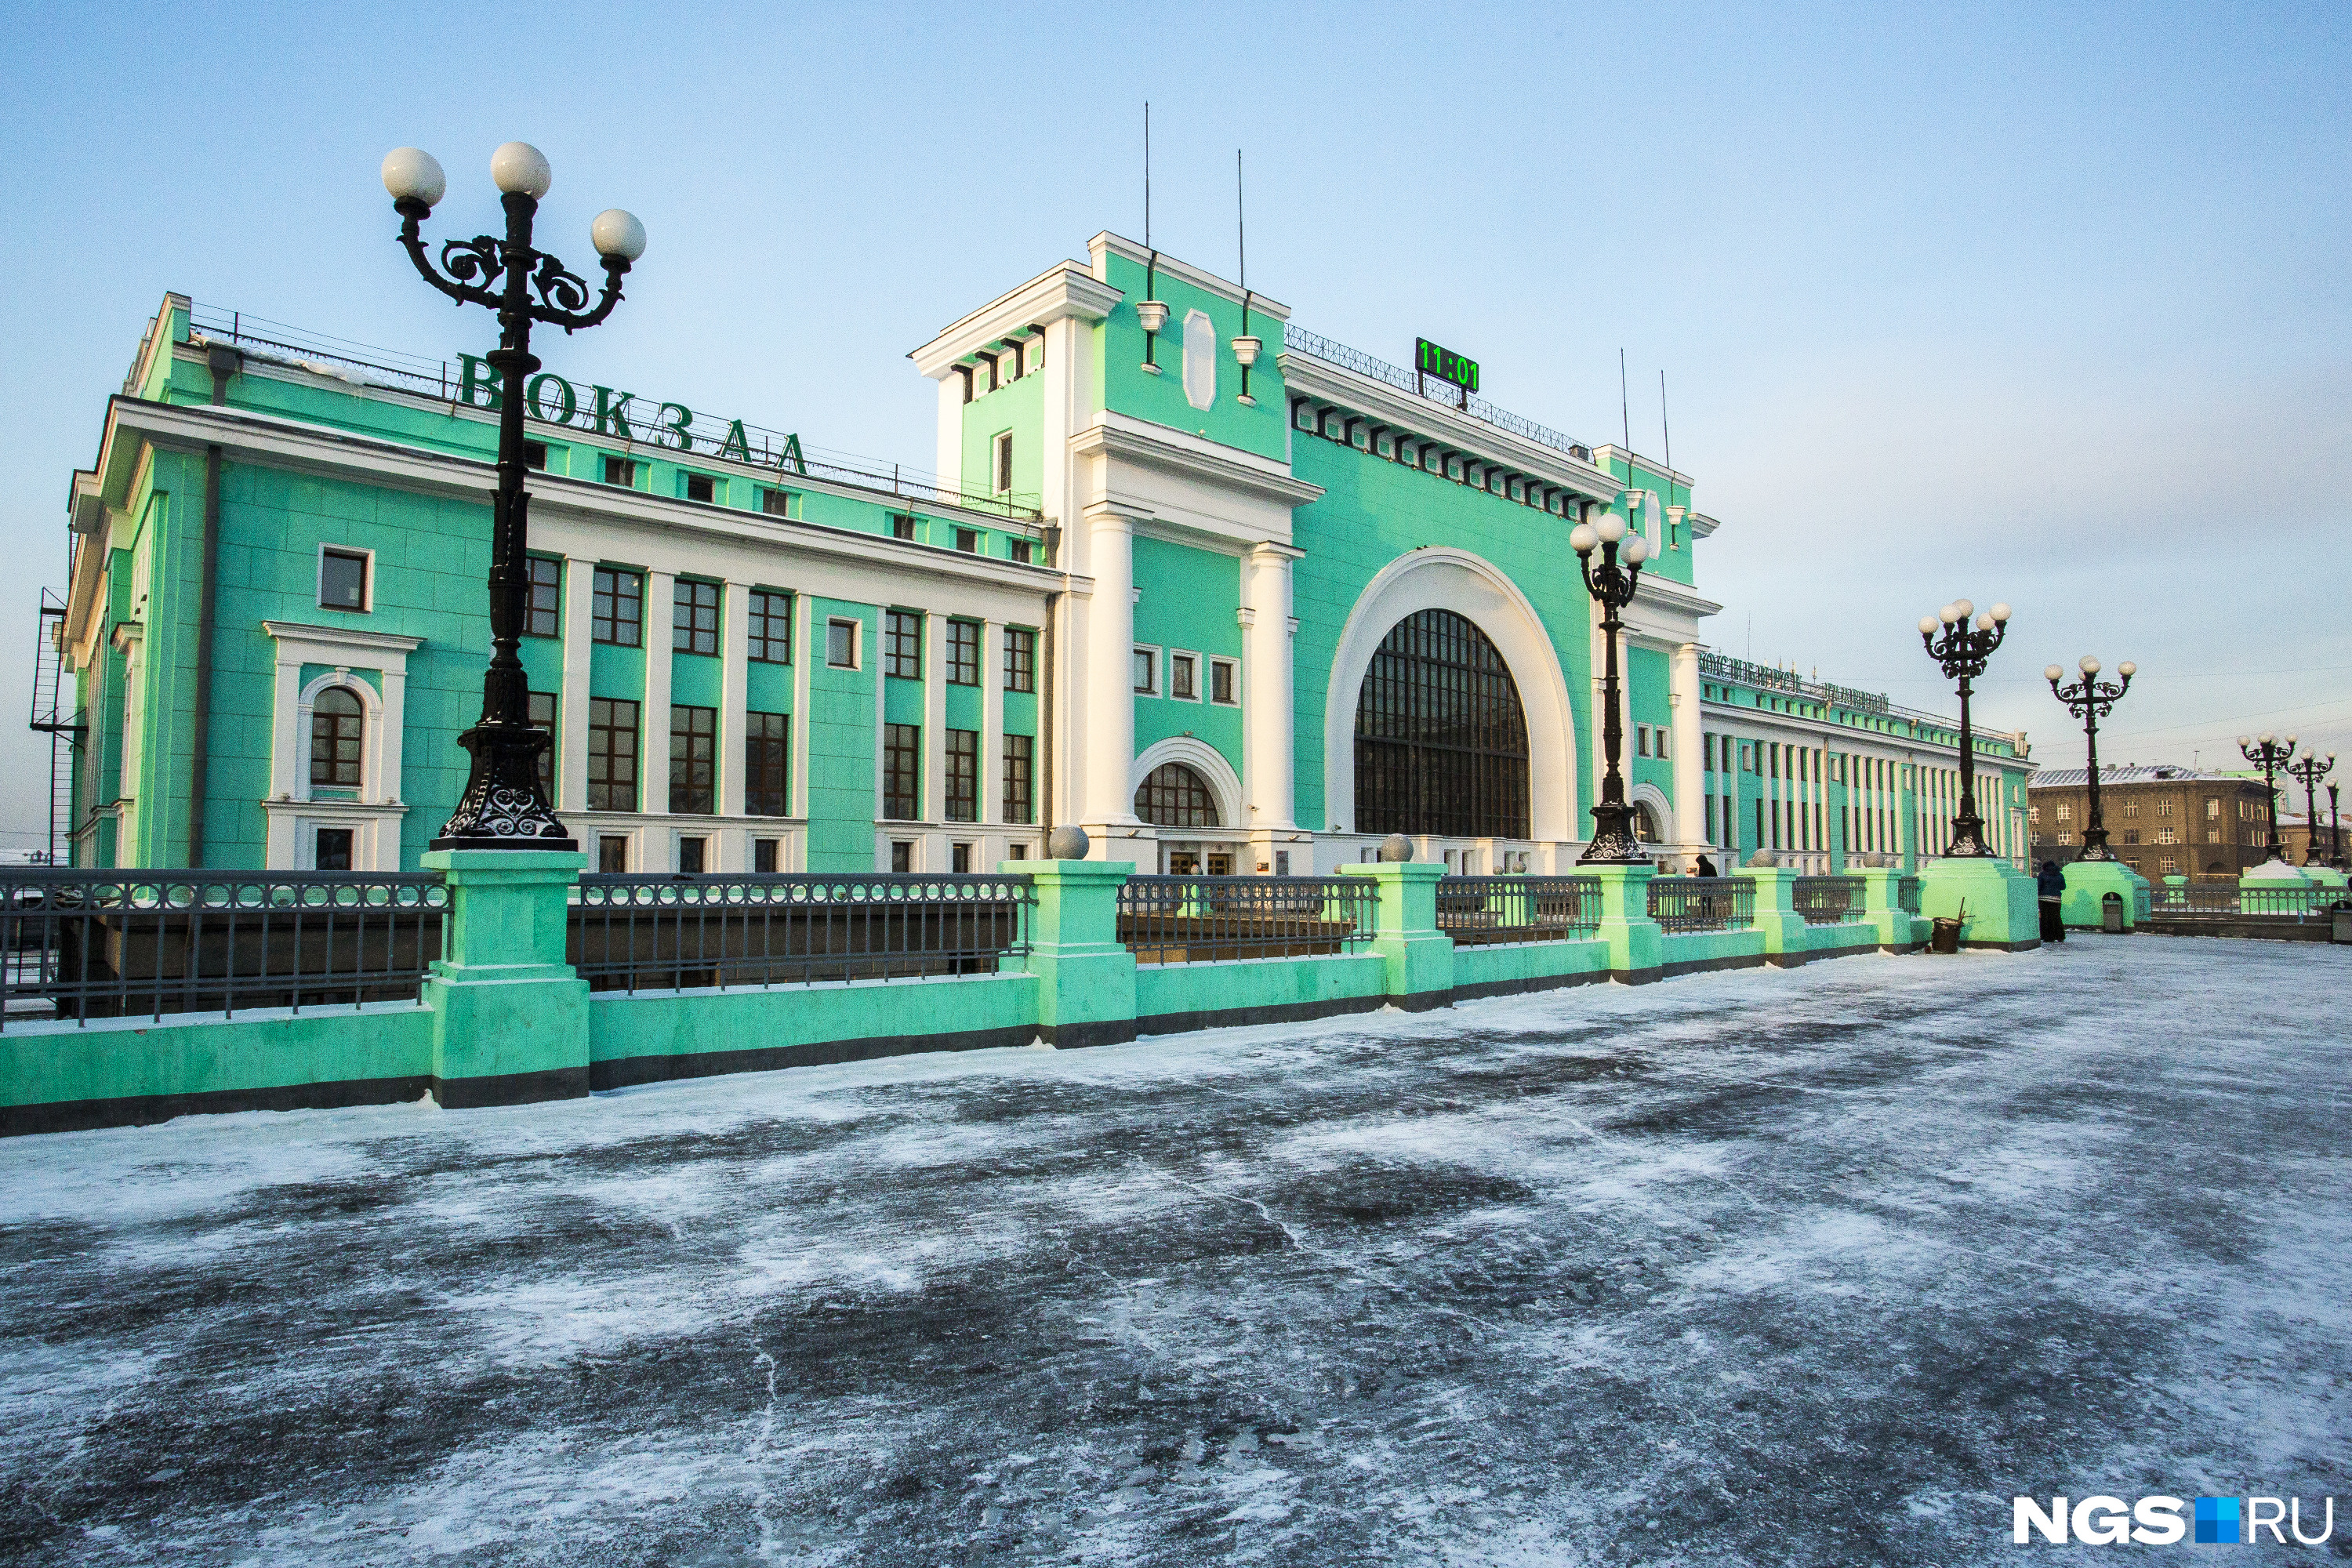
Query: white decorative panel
[1200, 359]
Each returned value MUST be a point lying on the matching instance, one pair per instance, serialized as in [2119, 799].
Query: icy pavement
[1819, 1267]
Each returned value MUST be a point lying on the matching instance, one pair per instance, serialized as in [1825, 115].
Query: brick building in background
[2161, 821]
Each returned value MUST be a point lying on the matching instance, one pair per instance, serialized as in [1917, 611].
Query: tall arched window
[1645, 823]
[1173, 795]
[1441, 739]
[336, 717]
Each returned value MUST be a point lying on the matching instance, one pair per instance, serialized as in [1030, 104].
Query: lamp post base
[1613, 842]
[502, 808]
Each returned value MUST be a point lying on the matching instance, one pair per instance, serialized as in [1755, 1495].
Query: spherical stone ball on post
[1068, 842]
[1396, 848]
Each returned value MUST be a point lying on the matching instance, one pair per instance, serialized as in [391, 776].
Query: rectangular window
[617, 609]
[611, 754]
[902, 643]
[902, 854]
[694, 617]
[779, 503]
[1641, 740]
[763, 855]
[332, 850]
[767, 756]
[700, 487]
[963, 653]
[534, 455]
[1147, 671]
[694, 760]
[771, 626]
[1221, 681]
[963, 776]
[1001, 462]
[968, 541]
[1022, 551]
[1020, 759]
[841, 644]
[690, 847]
[1710, 819]
[621, 471]
[1181, 679]
[1020, 660]
[543, 617]
[902, 525]
[543, 718]
[1659, 739]
[902, 746]
[960, 859]
[343, 579]
[612, 852]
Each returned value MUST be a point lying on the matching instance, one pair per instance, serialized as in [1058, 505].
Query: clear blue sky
[2034, 303]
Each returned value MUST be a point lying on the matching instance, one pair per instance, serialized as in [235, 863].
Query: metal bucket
[1946, 935]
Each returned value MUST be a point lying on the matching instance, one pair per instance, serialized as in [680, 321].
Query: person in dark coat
[2051, 883]
[1707, 867]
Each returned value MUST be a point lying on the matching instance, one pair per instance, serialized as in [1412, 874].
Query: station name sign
[1447, 366]
[551, 400]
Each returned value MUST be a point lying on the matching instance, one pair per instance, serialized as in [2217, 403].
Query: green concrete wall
[1176, 991]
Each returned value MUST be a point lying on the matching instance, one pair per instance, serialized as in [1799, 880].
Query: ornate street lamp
[503, 806]
[2310, 770]
[2267, 752]
[1962, 653]
[2270, 756]
[1612, 583]
[2335, 831]
[2092, 700]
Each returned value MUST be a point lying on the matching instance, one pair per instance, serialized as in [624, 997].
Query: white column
[1267, 706]
[934, 781]
[1108, 677]
[1690, 787]
[572, 702]
[653, 740]
[734, 677]
[808, 650]
[992, 724]
[951, 431]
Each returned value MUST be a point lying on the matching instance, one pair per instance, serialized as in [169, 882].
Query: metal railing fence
[123, 944]
[2209, 898]
[654, 932]
[1827, 901]
[1478, 911]
[1298, 340]
[1906, 895]
[1703, 903]
[1210, 920]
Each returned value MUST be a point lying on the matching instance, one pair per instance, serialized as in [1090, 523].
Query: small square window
[902, 525]
[333, 851]
[612, 852]
[689, 854]
[701, 487]
[1016, 852]
[779, 503]
[960, 859]
[841, 644]
[1180, 680]
[1221, 681]
[621, 471]
[534, 455]
[343, 579]
[1022, 550]
[968, 541]
[902, 854]
[763, 855]
[1146, 671]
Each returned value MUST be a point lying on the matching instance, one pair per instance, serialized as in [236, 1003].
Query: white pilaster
[934, 718]
[1109, 675]
[992, 722]
[1690, 788]
[806, 652]
[1267, 706]
[572, 702]
[734, 677]
[652, 739]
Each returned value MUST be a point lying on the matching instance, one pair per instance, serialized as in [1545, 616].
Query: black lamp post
[1961, 652]
[2310, 770]
[2267, 752]
[503, 806]
[1611, 583]
[2335, 830]
[2092, 700]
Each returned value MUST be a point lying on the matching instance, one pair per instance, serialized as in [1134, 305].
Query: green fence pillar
[1420, 956]
[1086, 976]
[2083, 907]
[1637, 950]
[1882, 906]
[509, 1016]
[1776, 913]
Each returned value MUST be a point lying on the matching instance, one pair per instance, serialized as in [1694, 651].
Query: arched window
[335, 719]
[1174, 796]
[1441, 739]
[1646, 822]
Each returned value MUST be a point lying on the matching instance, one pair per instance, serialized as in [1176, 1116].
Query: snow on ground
[1816, 1267]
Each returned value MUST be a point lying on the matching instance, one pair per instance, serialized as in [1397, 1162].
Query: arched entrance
[1441, 736]
[1178, 802]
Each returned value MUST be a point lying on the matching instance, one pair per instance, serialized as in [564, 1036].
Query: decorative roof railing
[1723, 667]
[364, 365]
[1298, 340]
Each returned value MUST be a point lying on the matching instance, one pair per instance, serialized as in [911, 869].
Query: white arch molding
[1444, 578]
[373, 788]
[1225, 784]
[1661, 809]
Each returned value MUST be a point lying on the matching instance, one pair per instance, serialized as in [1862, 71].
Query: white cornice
[1307, 376]
[1066, 288]
[1184, 271]
[346, 636]
[1136, 440]
[1651, 592]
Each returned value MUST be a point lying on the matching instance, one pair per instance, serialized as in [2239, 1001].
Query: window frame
[1020, 673]
[1000, 463]
[531, 586]
[760, 619]
[960, 775]
[604, 606]
[1151, 681]
[334, 763]
[1191, 664]
[768, 744]
[902, 742]
[687, 596]
[696, 794]
[365, 559]
[1020, 777]
[1233, 673]
[855, 627]
[894, 634]
[633, 755]
[955, 643]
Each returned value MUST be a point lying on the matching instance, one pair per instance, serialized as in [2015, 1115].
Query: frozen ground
[1819, 1267]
